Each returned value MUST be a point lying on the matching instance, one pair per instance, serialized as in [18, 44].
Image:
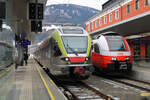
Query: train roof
[108, 33]
[47, 28]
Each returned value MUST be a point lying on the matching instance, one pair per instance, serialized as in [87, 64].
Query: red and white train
[111, 53]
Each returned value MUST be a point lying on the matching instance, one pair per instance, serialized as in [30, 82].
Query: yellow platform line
[46, 86]
[5, 72]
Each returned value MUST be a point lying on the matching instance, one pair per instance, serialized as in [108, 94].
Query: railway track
[83, 91]
[137, 80]
[78, 90]
[138, 84]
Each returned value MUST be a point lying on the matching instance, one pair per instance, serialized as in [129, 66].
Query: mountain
[68, 13]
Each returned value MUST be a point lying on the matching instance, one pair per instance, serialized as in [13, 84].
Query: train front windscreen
[75, 44]
[116, 43]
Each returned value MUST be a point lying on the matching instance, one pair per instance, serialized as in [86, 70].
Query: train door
[96, 55]
[52, 42]
[137, 50]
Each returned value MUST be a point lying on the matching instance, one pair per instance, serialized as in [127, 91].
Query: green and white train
[66, 51]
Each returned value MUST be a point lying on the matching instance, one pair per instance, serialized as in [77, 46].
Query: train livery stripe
[89, 46]
[77, 59]
[57, 37]
[46, 86]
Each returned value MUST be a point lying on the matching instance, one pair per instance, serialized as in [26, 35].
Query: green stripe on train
[89, 46]
[57, 37]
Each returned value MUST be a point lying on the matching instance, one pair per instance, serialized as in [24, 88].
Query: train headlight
[67, 59]
[113, 58]
[86, 58]
[127, 58]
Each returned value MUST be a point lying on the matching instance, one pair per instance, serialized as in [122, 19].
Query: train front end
[76, 50]
[111, 53]
[119, 54]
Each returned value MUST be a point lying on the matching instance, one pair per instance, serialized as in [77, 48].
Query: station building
[130, 18]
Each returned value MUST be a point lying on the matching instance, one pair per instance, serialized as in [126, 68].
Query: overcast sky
[90, 3]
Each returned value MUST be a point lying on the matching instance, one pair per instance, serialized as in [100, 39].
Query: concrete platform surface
[141, 71]
[29, 83]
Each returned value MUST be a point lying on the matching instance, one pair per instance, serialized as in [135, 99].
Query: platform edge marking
[46, 86]
[5, 72]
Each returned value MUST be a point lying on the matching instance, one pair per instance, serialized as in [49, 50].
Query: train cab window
[96, 48]
[116, 43]
[98, 37]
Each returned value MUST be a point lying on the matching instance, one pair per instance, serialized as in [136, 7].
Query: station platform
[141, 71]
[28, 83]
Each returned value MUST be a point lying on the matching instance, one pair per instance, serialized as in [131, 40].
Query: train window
[96, 48]
[116, 43]
[72, 31]
[57, 51]
[75, 44]
[98, 37]
[56, 48]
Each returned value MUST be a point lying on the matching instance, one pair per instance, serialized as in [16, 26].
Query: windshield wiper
[72, 50]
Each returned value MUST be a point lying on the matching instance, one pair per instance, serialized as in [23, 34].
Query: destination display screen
[72, 31]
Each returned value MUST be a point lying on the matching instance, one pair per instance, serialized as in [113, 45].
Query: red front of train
[111, 52]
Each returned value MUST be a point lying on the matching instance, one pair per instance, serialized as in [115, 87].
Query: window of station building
[96, 48]
[137, 4]
[100, 22]
[93, 25]
[96, 24]
[147, 2]
[105, 20]
[128, 8]
[110, 17]
[116, 14]
[89, 27]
